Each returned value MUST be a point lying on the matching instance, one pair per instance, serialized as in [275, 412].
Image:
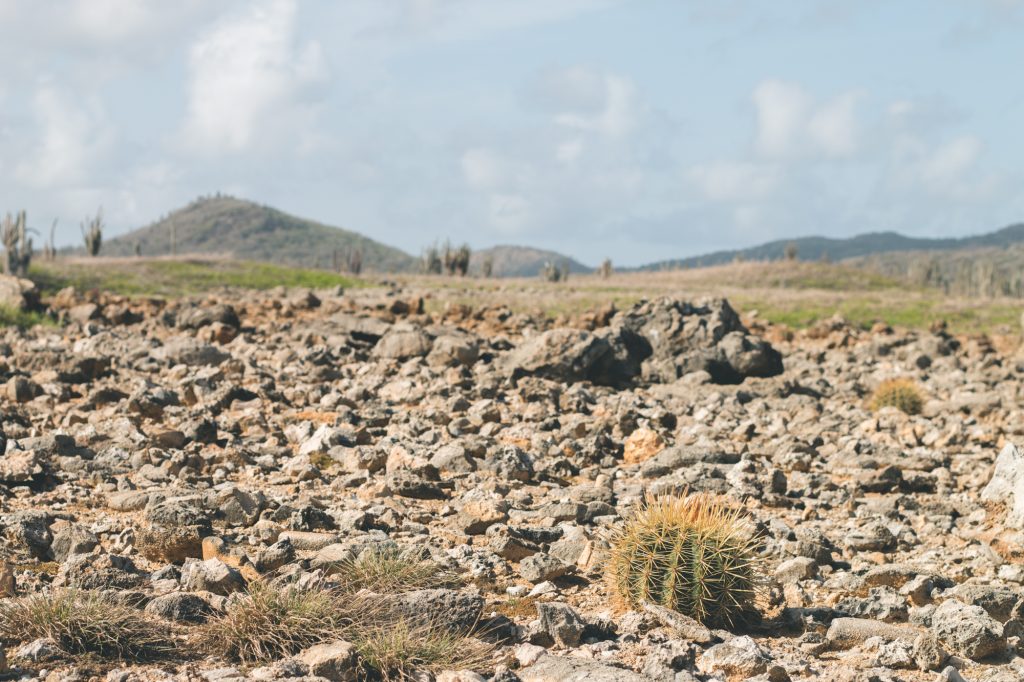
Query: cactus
[553, 273]
[92, 233]
[691, 554]
[487, 268]
[17, 244]
[903, 394]
[432, 264]
[605, 270]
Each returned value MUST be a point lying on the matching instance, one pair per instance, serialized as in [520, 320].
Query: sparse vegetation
[456, 261]
[272, 622]
[50, 247]
[431, 262]
[92, 233]
[395, 650]
[903, 394]
[791, 251]
[165, 277]
[487, 266]
[692, 554]
[605, 270]
[17, 244]
[552, 272]
[82, 622]
[388, 570]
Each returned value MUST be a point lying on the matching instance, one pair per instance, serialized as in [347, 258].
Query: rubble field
[336, 485]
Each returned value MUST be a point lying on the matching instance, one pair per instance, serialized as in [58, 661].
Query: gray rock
[550, 668]
[454, 610]
[541, 566]
[561, 622]
[335, 661]
[180, 606]
[1006, 487]
[401, 343]
[212, 575]
[967, 630]
[740, 656]
[73, 539]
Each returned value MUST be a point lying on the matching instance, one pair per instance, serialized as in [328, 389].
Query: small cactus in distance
[691, 554]
[92, 233]
[903, 394]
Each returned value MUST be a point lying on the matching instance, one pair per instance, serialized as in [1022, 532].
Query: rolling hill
[521, 261]
[246, 230]
[818, 248]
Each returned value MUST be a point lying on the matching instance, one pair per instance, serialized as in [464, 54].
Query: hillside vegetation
[248, 231]
[522, 261]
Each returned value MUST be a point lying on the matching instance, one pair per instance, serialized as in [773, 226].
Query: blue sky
[638, 130]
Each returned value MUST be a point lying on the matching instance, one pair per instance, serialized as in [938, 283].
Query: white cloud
[250, 81]
[482, 169]
[618, 110]
[737, 181]
[73, 135]
[949, 162]
[790, 123]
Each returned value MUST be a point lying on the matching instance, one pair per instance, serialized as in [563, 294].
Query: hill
[248, 231]
[819, 248]
[521, 261]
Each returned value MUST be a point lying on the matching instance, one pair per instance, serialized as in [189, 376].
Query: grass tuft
[387, 571]
[83, 622]
[691, 554]
[13, 317]
[903, 394]
[396, 650]
[273, 622]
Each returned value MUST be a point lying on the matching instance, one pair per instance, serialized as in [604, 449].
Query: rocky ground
[174, 454]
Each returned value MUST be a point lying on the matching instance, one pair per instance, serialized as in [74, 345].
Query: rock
[739, 656]
[540, 567]
[18, 293]
[335, 661]
[21, 466]
[22, 390]
[197, 316]
[451, 609]
[561, 623]
[967, 630]
[73, 539]
[682, 625]
[928, 652]
[641, 445]
[212, 575]
[796, 569]
[183, 607]
[550, 668]
[7, 581]
[401, 343]
[188, 351]
[1006, 487]
[846, 633]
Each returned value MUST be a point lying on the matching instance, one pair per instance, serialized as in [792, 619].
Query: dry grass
[389, 571]
[273, 622]
[395, 650]
[83, 622]
[692, 554]
[903, 394]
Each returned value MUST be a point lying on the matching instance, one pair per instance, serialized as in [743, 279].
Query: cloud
[790, 123]
[586, 100]
[736, 181]
[73, 136]
[251, 82]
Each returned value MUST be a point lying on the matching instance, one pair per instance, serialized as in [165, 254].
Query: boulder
[1006, 486]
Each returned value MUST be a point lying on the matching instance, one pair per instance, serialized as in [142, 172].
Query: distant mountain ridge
[818, 248]
[521, 261]
[247, 230]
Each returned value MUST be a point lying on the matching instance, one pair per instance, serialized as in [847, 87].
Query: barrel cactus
[903, 394]
[692, 554]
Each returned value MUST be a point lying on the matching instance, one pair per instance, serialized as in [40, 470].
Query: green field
[176, 277]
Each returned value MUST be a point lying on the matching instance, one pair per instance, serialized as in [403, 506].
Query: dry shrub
[84, 622]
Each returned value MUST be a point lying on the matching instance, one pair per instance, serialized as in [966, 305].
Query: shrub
[690, 554]
[86, 622]
[273, 622]
[386, 570]
[903, 394]
[394, 650]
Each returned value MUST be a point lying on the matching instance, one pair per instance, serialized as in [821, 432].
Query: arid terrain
[422, 478]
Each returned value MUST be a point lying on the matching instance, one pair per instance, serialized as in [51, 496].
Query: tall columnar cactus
[690, 554]
[92, 233]
[17, 244]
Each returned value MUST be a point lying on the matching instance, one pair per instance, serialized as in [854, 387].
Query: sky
[638, 130]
